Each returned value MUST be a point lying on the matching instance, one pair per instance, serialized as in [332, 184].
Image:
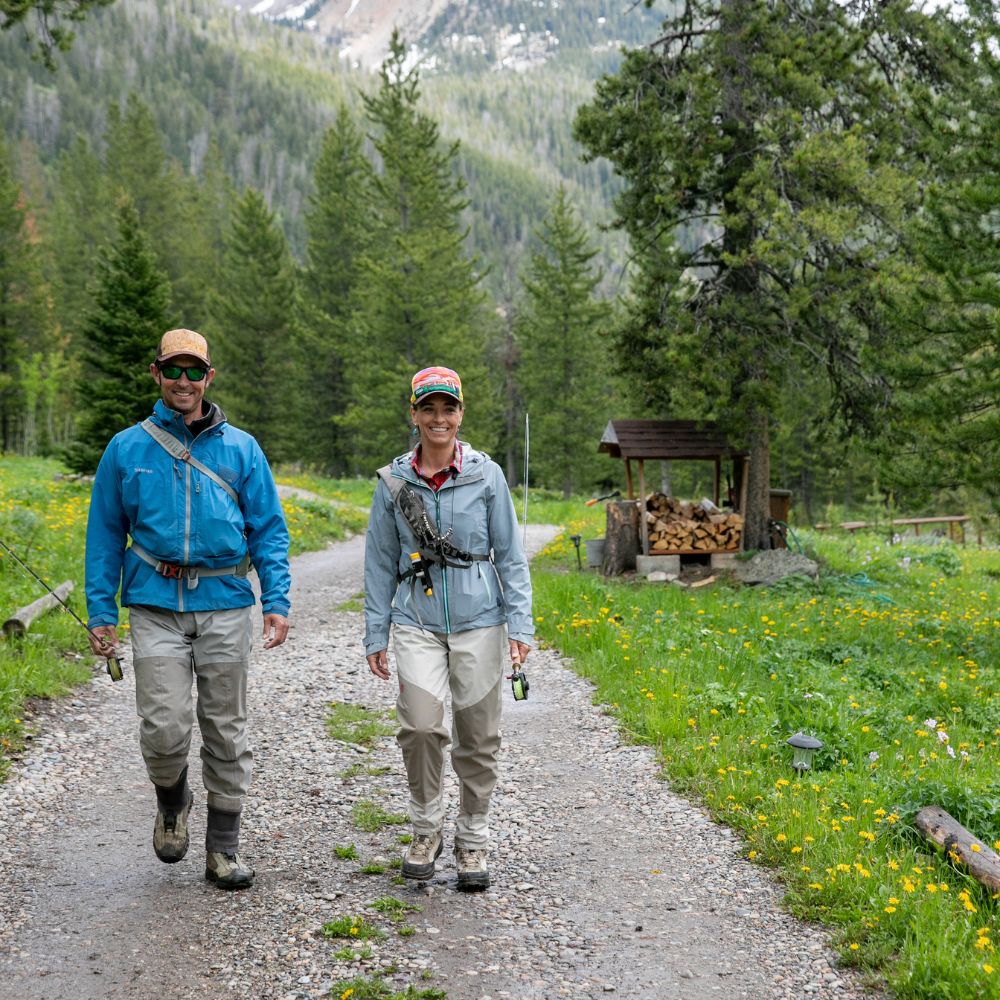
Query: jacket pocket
[219, 523]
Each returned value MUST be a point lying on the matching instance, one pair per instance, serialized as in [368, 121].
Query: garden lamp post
[575, 539]
[804, 748]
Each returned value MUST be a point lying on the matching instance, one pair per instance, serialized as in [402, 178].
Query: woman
[444, 563]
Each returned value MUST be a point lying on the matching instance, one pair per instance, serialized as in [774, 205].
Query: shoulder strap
[176, 448]
[393, 484]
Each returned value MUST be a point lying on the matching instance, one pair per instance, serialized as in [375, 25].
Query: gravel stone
[604, 880]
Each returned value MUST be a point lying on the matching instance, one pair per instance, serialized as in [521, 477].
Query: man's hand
[104, 640]
[518, 651]
[275, 630]
[378, 664]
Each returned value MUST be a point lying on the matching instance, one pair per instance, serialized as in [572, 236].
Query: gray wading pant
[213, 647]
[469, 664]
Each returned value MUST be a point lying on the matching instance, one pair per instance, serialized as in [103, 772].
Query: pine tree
[51, 35]
[338, 228]
[564, 370]
[417, 302]
[23, 312]
[254, 347]
[946, 432]
[129, 314]
[136, 164]
[772, 151]
[80, 224]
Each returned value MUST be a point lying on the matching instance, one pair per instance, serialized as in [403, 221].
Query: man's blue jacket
[179, 515]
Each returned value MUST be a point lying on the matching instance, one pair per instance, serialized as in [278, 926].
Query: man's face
[183, 393]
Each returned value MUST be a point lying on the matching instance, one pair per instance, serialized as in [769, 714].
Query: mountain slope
[265, 95]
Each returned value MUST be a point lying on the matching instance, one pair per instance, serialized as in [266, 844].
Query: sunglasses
[195, 373]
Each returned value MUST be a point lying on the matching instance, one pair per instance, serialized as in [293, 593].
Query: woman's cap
[175, 343]
[431, 380]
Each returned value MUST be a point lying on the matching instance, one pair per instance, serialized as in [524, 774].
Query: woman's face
[437, 417]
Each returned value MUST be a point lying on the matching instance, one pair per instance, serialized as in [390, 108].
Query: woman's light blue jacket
[179, 515]
[476, 507]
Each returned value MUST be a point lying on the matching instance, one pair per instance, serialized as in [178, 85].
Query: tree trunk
[758, 512]
[621, 539]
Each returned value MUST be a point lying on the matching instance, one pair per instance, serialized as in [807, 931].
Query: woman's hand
[378, 664]
[518, 651]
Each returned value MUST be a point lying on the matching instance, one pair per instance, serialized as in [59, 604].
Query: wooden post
[628, 479]
[960, 845]
[18, 623]
[643, 527]
[621, 539]
[718, 481]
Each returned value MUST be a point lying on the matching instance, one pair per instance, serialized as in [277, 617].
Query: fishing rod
[114, 664]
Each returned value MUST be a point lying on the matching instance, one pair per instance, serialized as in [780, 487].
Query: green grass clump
[373, 868]
[375, 988]
[370, 817]
[347, 852]
[352, 928]
[351, 954]
[356, 724]
[892, 659]
[355, 603]
[394, 908]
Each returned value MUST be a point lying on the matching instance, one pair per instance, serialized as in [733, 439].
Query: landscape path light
[575, 539]
[804, 748]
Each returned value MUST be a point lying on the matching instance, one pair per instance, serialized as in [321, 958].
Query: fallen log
[960, 845]
[18, 623]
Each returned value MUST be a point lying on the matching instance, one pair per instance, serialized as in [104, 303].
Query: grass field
[893, 660]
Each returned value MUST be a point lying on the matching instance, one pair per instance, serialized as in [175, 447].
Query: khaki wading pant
[168, 648]
[469, 664]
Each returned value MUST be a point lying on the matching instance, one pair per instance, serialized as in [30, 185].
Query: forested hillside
[264, 94]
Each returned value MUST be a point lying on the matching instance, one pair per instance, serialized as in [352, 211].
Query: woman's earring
[415, 431]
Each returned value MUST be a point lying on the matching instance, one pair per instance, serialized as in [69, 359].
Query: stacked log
[681, 526]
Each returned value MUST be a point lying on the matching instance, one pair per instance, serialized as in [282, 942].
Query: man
[197, 498]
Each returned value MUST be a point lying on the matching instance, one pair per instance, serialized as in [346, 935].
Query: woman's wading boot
[223, 865]
[170, 831]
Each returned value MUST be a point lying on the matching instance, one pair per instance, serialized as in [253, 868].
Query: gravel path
[604, 881]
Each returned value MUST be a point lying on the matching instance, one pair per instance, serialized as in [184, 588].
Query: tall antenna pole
[527, 444]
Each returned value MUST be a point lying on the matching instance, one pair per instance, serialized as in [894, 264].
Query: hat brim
[184, 354]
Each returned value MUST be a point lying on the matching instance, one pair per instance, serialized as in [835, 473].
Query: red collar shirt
[438, 479]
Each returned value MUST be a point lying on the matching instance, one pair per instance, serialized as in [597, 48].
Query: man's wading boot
[223, 865]
[473, 873]
[170, 831]
[418, 861]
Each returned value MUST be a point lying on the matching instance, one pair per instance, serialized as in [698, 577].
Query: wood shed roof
[666, 439]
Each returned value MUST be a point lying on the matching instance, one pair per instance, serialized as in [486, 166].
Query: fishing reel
[115, 668]
[519, 684]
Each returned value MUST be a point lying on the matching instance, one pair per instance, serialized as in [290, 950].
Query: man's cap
[175, 343]
[436, 379]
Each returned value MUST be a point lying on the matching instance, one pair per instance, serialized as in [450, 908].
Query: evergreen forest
[775, 214]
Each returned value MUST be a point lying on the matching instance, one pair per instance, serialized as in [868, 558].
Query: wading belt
[434, 547]
[175, 571]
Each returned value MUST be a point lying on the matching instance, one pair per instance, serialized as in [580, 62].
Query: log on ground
[961, 846]
[18, 622]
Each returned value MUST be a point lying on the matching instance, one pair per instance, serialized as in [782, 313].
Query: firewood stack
[681, 526]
